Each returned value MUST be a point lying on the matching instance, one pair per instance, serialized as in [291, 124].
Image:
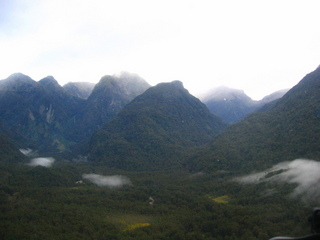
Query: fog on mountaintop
[302, 172]
[114, 181]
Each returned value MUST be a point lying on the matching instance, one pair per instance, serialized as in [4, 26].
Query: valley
[49, 204]
[126, 160]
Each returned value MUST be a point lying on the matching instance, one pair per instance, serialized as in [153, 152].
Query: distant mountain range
[280, 131]
[125, 123]
[45, 116]
[233, 105]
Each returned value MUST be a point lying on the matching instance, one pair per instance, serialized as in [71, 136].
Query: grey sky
[257, 46]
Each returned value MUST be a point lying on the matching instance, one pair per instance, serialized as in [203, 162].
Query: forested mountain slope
[45, 116]
[9, 152]
[155, 130]
[288, 129]
[108, 97]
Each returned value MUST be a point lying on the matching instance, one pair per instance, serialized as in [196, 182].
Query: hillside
[9, 153]
[287, 129]
[155, 130]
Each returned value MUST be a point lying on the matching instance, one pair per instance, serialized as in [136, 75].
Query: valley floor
[57, 203]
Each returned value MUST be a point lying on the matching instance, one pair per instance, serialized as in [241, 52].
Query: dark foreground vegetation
[47, 203]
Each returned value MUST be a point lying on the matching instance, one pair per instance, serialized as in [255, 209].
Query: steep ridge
[108, 97]
[287, 129]
[274, 96]
[155, 130]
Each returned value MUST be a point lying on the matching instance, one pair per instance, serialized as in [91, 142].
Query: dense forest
[59, 203]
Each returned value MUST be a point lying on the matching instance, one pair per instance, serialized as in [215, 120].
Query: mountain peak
[174, 83]
[129, 76]
[225, 93]
[177, 83]
[108, 97]
[153, 130]
[168, 90]
[49, 81]
[79, 89]
[18, 76]
[126, 84]
[285, 130]
[18, 81]
[230, 104]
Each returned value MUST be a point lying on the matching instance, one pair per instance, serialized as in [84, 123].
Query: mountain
[287, 129]
[274, 96]
[233, 105]
[156, 130]
[79, 89]
[108, 97]
[45, 116]
[35, 113]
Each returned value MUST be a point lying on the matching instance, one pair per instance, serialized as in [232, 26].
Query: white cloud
[302, 172]
[26, 151]
[44, 162]
[114, 181]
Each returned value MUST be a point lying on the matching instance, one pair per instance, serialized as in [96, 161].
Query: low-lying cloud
[114, 181]
[27, 151]
[44, 162]
[302, 172]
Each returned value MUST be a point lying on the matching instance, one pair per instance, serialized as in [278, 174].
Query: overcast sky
[258, 46]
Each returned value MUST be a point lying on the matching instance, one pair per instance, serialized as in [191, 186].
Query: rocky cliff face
[36, 111]
[44, 116]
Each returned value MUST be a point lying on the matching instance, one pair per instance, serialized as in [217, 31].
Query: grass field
[222, 199]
